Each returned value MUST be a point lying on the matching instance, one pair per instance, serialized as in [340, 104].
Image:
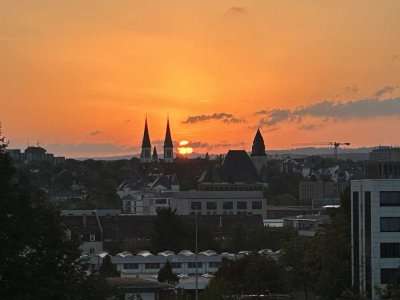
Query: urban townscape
[199, 150]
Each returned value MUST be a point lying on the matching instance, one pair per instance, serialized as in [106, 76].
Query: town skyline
[81, 78]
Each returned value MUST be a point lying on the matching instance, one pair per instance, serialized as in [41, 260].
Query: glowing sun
[184, 148]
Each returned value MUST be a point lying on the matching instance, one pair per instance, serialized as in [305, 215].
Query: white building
[220, 203]
[375, 231]
[145, 194]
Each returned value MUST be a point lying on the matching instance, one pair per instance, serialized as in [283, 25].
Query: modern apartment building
[375, 231]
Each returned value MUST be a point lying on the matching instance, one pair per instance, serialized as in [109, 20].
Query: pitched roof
[146, 138]
[168, 140]
[238, 167]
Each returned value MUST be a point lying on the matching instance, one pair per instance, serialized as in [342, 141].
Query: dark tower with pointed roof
[155, 155]
[258, 155]
[145, 156]
[168, 145]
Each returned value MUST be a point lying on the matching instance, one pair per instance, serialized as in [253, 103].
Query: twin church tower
[146, 155]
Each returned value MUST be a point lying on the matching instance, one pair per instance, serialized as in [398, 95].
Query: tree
[329, 257]
[165, 274]
[38, 260]
[253, 274]
[168, 231]
[107, 268]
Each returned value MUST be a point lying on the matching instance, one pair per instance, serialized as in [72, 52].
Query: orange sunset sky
[79, 77]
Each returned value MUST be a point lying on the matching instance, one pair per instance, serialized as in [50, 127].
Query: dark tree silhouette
[165, 274]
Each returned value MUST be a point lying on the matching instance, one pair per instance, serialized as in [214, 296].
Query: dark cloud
[333, 110]
[209, 146]
[93, 133]
[351, 88]
[274, 116]
[238, 10]
[309, 126]
[224, 117]
[90, 148]
[385, 90]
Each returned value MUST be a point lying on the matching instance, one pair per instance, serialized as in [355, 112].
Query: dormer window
[92, 237]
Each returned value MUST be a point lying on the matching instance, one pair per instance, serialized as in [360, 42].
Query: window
[152, 266]
[91, 250]
[131, 266]
[389, 198]
[92, 237]
[227, 205]
[387, 275]
[192, 265]
[241, 205]
[211, 205]
[176, 265]
[161, 201]
[196, 205]
[390, 224]
[256, 205]
[213, 264]
[390, 250]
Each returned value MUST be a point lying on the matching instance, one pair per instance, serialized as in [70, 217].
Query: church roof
[238, 167]
[146, 138]
[168, 139]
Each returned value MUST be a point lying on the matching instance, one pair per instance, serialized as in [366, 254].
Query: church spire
[168, 139]
[258, 148]
[168, 145]
[146, 137]
[145, 156]
[258, 155]
[155, 155]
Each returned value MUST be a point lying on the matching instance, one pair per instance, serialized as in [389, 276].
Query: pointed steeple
[155, 155]
[168, 139]
[168, 145]
[146, 137]
[145, 156]
[258, 148]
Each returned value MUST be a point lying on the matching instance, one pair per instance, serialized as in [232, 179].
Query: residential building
[375, 232]
[306, 225]
[321, 193]
[220, 203]
[385, 153]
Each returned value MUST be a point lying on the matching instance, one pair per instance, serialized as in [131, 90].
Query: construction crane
[335, 146]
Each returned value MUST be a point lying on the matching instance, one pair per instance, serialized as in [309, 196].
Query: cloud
[224, 117]
[237, 10]
[333, 110]
[72, 149]
[351, 88]
[385, 90]
[93, 133]
[209, 146]
[309, 127]
[274, 116]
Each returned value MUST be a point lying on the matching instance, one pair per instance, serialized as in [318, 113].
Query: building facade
[375, 232]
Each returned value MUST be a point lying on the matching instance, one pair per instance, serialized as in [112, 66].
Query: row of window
[175, 265]
[212, 205]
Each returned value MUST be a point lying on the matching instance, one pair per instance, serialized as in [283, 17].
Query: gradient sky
[79, 77]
